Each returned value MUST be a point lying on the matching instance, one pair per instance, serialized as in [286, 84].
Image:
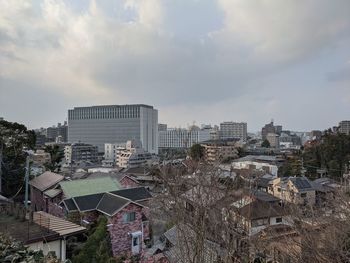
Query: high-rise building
[233, 130]
[162, 127]
[344, 127]
[182, 138]
[270, 128]
[80, 152]
[273, 139]
[61, 130]
[98, 125]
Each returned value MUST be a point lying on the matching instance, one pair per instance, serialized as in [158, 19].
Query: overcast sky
[194, 60]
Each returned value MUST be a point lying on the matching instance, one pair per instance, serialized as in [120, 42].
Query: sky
[196, 61]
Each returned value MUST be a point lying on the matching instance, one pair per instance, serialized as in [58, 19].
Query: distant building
[98, 125]
[60, 131]
[217, 151]
[265, 163]
[273, 139]
[112, 150]
[270, 128]
[233, 130]
[182, 138]
[80, 152]
[162, 127]
[41, 157]
[133, 155]
[344, 127]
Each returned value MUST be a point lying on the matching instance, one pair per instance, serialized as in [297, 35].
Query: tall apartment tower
[344, 127]
[98, 125]
[230, 130]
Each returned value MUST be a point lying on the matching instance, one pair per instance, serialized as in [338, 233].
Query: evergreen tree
[97, 248]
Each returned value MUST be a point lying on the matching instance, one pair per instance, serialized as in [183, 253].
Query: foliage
[292, 167]
[13, 251]
[56, 157]
[14, 138]
[196, 152]
[96, 249]
[332, 154]
[265, 144]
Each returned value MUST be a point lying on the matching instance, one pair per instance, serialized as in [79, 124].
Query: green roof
[89, 186]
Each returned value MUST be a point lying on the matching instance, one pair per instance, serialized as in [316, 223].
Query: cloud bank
[207, 61]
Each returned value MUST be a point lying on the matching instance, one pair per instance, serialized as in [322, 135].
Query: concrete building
[233, 130]
[52, 133]
[270, 128]
[267, 164]
[344, 127]
[162, 127]
[133, 155]
[217, 151]
[80, 152]
[273, 139]
[98, 125]
[112, 150]
[182, 138]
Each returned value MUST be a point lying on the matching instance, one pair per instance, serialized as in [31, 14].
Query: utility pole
[1, 149]
[27, 182]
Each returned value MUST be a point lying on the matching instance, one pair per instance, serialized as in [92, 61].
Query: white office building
[182, 138]
[233, 130]
[98, 125]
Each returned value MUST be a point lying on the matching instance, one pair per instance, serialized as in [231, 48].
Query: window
[129, 217]
[279, 220]
[303, 194]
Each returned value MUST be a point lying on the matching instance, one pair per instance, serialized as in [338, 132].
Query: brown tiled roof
[46, 180]
[260, 209]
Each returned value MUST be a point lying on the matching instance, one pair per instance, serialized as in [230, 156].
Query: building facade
[112, 150]
[273, 139]
[133, 155]
[270, 128]
[80, 152]
[98, 125]
[344, 127]
[61, 131]
[182, 138]
[233, 130]
[217, 151]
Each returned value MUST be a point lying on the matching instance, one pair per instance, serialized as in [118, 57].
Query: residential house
[127, 214]
[297, 190]
[42, 187]
[42, 231]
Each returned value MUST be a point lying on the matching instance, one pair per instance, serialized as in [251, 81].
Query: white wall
[47, 247]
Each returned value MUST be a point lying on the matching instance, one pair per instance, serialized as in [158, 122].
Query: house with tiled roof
[43, 192]
[296, 190]
[126, 213]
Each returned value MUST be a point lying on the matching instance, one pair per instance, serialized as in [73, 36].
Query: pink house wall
[120, 232]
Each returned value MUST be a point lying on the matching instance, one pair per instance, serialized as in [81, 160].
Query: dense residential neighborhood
[153, 131]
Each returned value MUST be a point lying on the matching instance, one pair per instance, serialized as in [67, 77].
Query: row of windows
[104, 113]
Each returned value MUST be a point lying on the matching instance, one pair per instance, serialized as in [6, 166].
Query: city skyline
[205, 61]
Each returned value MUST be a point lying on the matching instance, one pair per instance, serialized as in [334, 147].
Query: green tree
[197, 152]
[332, 154]
[56, 157]
[265, 144]
[14, 138]
[97, 247]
